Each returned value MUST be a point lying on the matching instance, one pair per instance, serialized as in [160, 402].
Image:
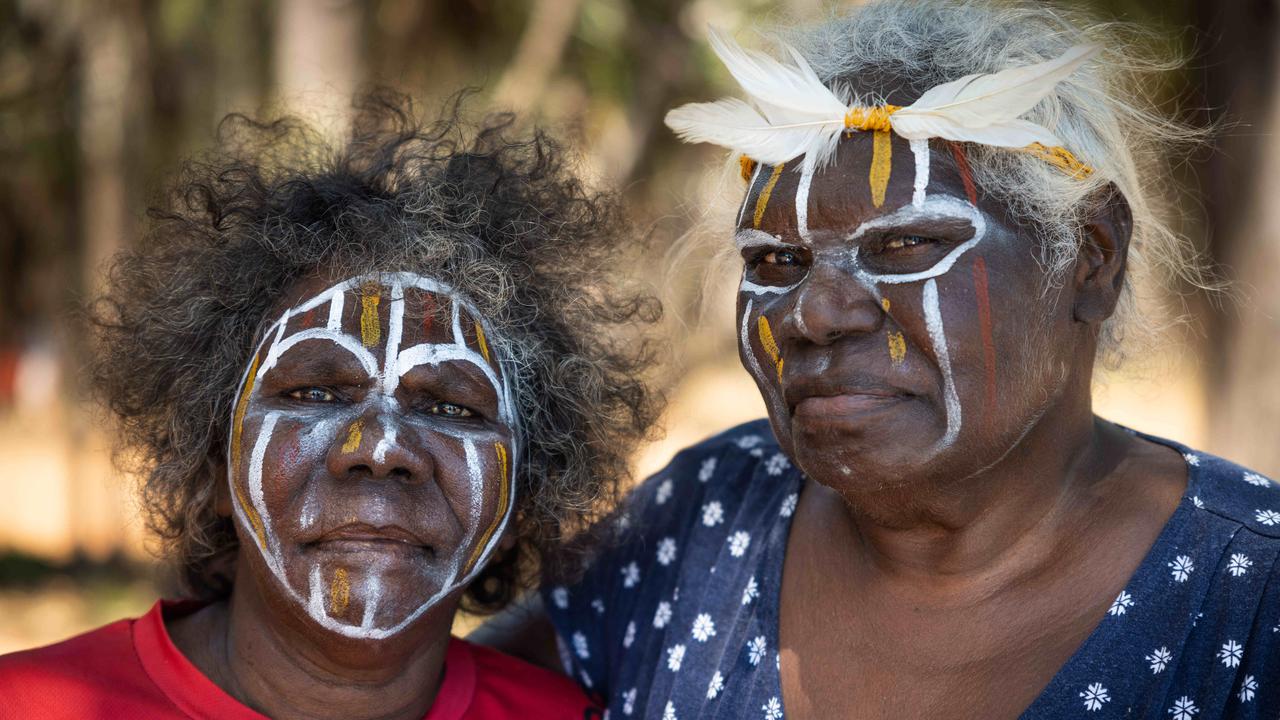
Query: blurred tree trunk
[1241, 76]
[318, 59]
[538, 55]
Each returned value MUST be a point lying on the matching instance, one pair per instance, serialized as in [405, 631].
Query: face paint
[982, 295]
[431, 496]
[881, 165]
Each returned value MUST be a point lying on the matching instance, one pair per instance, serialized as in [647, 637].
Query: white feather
[985, 108]
[791, 112]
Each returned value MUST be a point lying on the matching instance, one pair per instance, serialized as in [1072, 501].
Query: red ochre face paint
[966, 175]
[984, 322]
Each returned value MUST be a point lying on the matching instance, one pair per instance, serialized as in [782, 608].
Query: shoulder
[1234, 493]
[70, 677]
[508, 687]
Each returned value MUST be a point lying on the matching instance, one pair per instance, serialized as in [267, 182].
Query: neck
[1002, 521]
[281, 664]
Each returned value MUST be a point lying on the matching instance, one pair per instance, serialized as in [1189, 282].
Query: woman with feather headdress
[946, 207]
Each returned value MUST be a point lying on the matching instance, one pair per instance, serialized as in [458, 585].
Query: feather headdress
[792, 113]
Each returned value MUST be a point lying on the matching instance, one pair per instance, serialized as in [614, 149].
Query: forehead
[389, 323]
[842, 196]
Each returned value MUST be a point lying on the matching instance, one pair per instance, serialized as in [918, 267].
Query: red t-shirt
[131, 669]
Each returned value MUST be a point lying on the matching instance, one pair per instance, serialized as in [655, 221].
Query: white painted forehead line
[934, 207]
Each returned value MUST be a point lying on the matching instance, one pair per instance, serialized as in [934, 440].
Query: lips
[816, 398]
[363, 537]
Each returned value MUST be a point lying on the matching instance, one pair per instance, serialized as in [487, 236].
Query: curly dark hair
[492, 210]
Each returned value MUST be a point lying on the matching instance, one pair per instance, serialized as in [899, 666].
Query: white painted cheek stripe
[255, 479]
[933, 321]
[749, 287]
[745, 338]
[920, 149]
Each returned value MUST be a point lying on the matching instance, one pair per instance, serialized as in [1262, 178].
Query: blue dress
[680, 621]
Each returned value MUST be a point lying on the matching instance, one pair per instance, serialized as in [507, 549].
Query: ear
[1104, 252]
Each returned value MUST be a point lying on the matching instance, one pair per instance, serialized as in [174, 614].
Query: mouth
[815, 402]
[379, 539]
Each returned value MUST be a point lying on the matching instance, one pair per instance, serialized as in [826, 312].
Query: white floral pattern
[666, 550]
[712, 513]
[1192, 459]
[704, 628]
[739, 542]
[1267, 517]
[1095, 696]
[662, 615]
[1159, 659]
[1255, 479]
[1231, 653]
[631, 575]
[1122, 603]
[665, 489]
[789, 505]
[751, 591]
[1181, 568]
[560, 596]
[707, 470]
[1183, 709]
[756, 649]
[776, 464]
[1248, 687]
[1239, 564]
[580, 645]
[715, 686]
[629, 701]
[772, 709]
[675, 657]
[669, 712]
[629, 636]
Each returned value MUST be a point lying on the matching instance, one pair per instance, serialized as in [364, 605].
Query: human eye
[451, 410]
[775, 265]
[312, 395]
[903, 253]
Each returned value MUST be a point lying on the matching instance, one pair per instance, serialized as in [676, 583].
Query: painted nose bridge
[835, 301]
[370, 446]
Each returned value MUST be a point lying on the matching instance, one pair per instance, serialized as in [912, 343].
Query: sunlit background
[100, 100]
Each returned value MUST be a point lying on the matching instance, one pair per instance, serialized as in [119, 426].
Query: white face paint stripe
[342, 340]
[455, 319]
[372, 595]
[920, 149]
[802, 203]
[387, 442]
[434, 354]
[750, 237]
[937, 333]
[938, 206]
[395, 327]
[255, 479]
[336, 303]
[750, 287]
[745, 338]
[750, 186]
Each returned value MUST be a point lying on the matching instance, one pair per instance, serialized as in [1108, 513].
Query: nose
[833, 303]
[370, 447]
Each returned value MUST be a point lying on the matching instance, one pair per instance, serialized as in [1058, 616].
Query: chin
[857, 454]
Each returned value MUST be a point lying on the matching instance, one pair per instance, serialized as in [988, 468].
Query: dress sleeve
[593, 615]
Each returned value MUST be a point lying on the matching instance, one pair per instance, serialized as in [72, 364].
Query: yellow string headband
[792, 113]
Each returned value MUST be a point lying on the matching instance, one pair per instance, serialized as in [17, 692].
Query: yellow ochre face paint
[762, 201]
[339, 592]
[770, 346]
[354, 434]
[504, 497]
[897, 347]
[484, 346]
[881, 165]
[370, 326]
[237, 430]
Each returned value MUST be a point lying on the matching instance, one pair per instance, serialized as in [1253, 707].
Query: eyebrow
[750, 237]
[935, 207]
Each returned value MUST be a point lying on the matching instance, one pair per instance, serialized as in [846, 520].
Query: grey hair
[1105, 113]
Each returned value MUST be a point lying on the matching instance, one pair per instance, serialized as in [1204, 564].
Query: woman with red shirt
[367, 386]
